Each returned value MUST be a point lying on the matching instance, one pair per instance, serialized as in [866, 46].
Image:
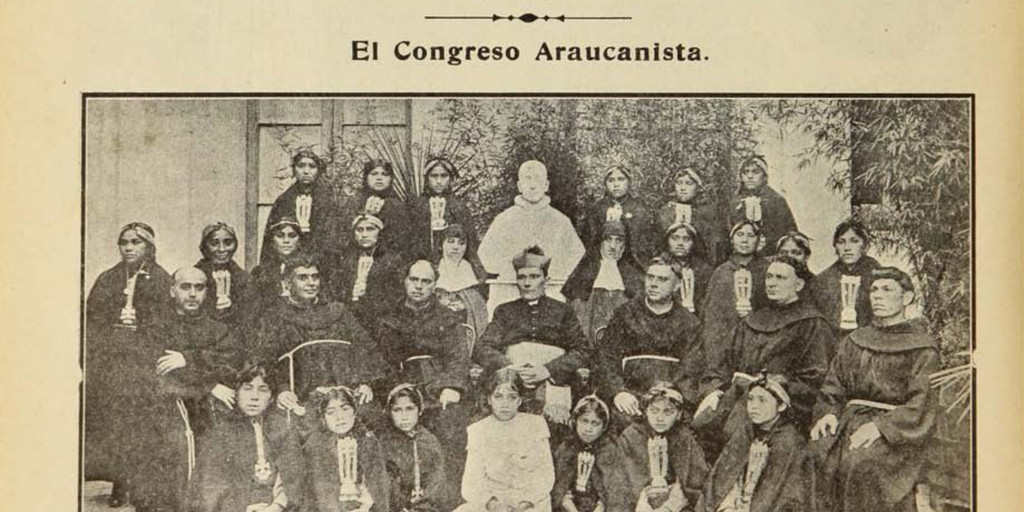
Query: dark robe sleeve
[832, 397]
[913, 421]
[808, 377]
[489, 349]
[689, 464]
[375, 475]
[609, 354]
[721, 363]
[456, 358]
[565, 472]
[578, 349]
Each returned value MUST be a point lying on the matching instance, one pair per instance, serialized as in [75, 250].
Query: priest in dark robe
[228, 282]
[251, 459]
[841, 291]
[538, 336]
[303, 317]
[367, 276]
[765, 466]
[618, 204]
[789, 337]
[179, 369]
[650, 339]
[877, 408]
[311, 202]
[756, 201]
[426, 344]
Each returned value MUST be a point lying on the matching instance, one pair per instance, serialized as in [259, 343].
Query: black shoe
[118, 495]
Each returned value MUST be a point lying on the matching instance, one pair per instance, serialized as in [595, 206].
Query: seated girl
[345, 461]
[585, 463]
[663, 467]
[413, 457]
[508, 460]
[766, 466]
[250, 460]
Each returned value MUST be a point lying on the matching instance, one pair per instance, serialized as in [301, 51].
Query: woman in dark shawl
[687, 205]
[367, 277]
[608, 277]
[123, 302]
[587, 462]
[756, 201]
[251, 459]
[841, 290]
[379, 199]
[415, 461]
[765, 466]
[265, 287]
[619, 204]
[436, 209]
[227, 283]
[309, 201]
[682, 248]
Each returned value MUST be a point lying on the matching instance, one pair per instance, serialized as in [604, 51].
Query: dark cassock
[605, 279]
[769, 471]
[289, 324]
[587, 472]
[247, 462]
[684, 464]
[790, 340]
[735, 289]
[416, 466]
[879, 375]
[323, 459]
[229, 290]
[760, 203]
[641, 347]
[172, 409]
[314, 206]
[841, 293]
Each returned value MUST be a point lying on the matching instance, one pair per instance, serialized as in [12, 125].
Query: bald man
[177, 372]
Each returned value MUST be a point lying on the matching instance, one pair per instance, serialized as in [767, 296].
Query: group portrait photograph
[527, 303]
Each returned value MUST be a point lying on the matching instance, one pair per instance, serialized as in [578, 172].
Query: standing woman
[756, 201]
[460, 284]
[436, 209]
[228, 282]
[618, 204]
[607, 278]
[736, 288]
[379, 199]
[308, 201]
[841, 291]
[124, 300]
[265, 281]
[682, 243]
[686, 205]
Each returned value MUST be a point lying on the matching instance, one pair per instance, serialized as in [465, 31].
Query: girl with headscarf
[227, 283]
[687, 205]
[608, 277]
[378, 198]
[841, 291]
[682, 243]
[754, 200]
[122, 304]
[735, 289]
[587, 462]
[460, 284]
[619, 204]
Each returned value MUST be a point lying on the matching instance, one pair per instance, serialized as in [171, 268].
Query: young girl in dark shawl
[841, 291]
[682, 242]
[461, 285]
[265, 288]
[123, 301]
[586, 464]
[662, 466]
[251, 460]
[378, 198]
[765, 466]
[368, 276]
[436, 209]
[686, 205]
[735, 289]
[310, 202]
[415, 461]
[345, 461]
[756, 201]
[608, 277]
[226, 281]
[619, 204]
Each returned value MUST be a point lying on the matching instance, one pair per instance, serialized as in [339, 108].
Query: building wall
[174, 164]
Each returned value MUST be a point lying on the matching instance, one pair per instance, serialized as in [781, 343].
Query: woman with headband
[619, 204]
[681, 248]
[841, 291]
[587, 463]
[414, 459]
[367, 277]
[123, 301]
[765, 466]
[756, 201]
[265, 287]
[310, 202]
[437, 208]
[377, 198]
[687, 205]
[227, 283]
[795, 245]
